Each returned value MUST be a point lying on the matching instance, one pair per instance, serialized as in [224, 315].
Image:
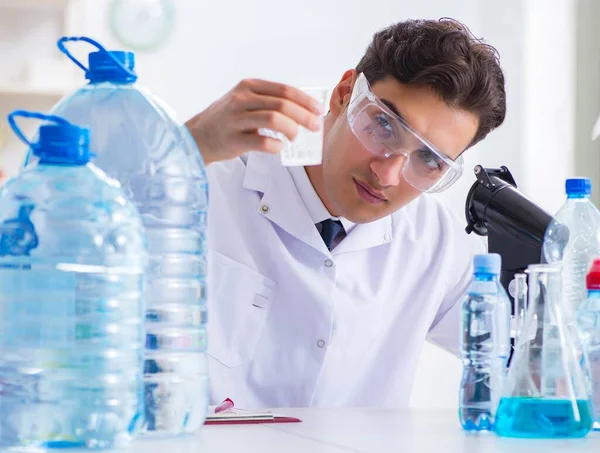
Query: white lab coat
[292, 324]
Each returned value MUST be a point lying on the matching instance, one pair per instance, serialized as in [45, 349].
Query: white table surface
[359, 430]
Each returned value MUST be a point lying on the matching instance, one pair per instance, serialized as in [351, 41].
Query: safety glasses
[385, 134]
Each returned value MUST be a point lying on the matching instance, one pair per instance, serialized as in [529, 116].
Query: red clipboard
[245, 417]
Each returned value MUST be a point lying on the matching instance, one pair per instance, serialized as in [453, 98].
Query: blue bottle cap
[63, 144]
[103, 68]
[489, 263]
[578, 186]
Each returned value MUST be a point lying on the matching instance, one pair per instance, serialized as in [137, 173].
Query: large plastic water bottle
[485, 330]
[138, 142]
[72, 261]
[588, 322]
[575, 250]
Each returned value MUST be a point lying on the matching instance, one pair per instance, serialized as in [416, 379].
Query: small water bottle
[485, 335]
[573, 240]
[72, 263]
[588, 323]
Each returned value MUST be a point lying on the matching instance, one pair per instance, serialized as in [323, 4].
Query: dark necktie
[330, 229]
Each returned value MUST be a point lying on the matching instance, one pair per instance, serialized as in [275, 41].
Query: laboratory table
[360, 430]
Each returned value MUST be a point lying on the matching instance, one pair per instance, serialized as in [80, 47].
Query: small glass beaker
[545, 395]
[307, 147]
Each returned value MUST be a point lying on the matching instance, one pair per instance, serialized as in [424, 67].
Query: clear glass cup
[307, 148]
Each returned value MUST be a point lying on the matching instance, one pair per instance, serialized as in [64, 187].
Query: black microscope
[514, 224]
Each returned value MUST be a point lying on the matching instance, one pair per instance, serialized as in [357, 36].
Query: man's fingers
[295, 112]
[252, 141]
[281, 90]
[268, 119]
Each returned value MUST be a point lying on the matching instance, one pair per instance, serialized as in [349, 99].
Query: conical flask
[545, 394]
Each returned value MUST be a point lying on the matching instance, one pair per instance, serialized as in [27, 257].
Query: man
[326, 281]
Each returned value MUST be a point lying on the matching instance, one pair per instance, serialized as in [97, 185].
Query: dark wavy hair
[443, 55]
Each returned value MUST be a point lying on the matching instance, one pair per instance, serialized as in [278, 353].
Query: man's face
[364, 187]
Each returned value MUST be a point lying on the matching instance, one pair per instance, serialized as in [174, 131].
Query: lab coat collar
[366, 235]
[280, 201]
[282, 204]
[313, 204]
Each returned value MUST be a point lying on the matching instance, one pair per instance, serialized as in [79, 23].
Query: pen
[224, 406]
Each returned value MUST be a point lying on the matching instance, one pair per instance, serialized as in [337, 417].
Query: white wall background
[587, 74]
[312, 42]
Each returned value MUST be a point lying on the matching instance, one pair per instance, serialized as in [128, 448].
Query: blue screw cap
[489, 263]
[578, 186]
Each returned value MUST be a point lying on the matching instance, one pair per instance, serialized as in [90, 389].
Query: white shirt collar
[315, 207]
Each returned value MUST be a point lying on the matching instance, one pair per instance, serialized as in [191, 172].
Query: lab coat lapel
[366, 235]
[280, 201]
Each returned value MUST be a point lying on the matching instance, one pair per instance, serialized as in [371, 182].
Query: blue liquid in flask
[527, 417]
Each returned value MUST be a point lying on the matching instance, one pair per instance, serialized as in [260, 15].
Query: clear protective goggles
[385, 134]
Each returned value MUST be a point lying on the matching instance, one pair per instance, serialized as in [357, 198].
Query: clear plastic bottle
[588, 322]
[485, 328]
[573, 240]
[72, 262]
[138, 142]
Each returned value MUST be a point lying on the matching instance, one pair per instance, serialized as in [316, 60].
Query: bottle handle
[63, 48]
[35, 115]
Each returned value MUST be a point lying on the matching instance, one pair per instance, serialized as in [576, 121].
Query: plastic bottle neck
[578, 196]
[485, 276]
[595, 293]
[60, 163]
[110, 77]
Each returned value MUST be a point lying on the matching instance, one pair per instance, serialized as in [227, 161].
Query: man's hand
[229, 127]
